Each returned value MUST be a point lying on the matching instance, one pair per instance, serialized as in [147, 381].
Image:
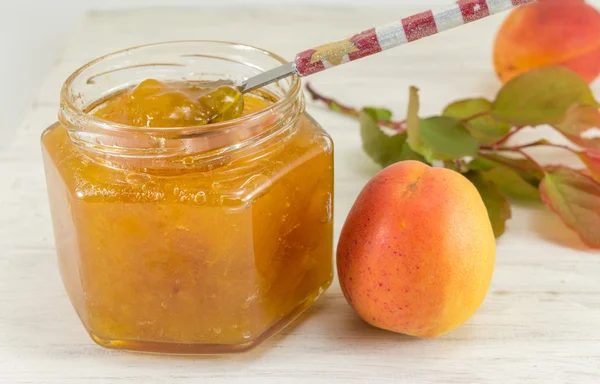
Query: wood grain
[539, 324]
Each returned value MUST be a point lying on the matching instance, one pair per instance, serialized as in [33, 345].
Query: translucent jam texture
[208, 260]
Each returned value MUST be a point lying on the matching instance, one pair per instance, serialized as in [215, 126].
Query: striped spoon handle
[409, 29]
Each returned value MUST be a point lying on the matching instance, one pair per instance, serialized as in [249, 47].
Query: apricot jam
[153, 103]
[180, 231]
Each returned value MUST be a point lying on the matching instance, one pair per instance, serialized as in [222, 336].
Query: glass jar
[204, 239]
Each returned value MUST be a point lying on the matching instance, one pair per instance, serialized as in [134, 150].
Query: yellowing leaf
[485, 129]
[576, 199]
[579, 124]
[541, 96]
[446, 138]
[591, 158]
[379, 146]
[412, 121]
[495, 202]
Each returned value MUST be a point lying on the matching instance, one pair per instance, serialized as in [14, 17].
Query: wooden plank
[539, 323]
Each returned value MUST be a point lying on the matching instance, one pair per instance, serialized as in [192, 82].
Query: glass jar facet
[190, 240]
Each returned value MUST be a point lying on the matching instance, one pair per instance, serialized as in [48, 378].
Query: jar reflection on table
[196, 239]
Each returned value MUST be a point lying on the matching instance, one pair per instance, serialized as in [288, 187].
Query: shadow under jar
[199, 239]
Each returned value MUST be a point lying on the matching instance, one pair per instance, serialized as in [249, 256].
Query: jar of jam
[175, 233]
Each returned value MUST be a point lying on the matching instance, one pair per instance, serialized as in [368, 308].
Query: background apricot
[549, 32]
[417, 251]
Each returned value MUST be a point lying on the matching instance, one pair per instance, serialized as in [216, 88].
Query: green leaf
[578, 123]
[482, 164]
[526, 168]
[379, 113]
[409, 154]
[379, 146]
[541, 96]
[446, 138]
[576, 199]
[591, 158]
[511, 183]
[485, 129]
[517, 178]
[413, 122]
[437, 138]
[495, 202]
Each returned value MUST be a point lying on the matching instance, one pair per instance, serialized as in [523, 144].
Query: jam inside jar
[178, 236]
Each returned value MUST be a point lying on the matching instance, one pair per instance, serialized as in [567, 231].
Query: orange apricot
[416, 253]
[547, 33]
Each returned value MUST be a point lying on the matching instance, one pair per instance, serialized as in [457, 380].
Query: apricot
[547, 33]
[417, 251]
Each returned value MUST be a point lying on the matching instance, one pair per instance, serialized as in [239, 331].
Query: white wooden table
[539, 324]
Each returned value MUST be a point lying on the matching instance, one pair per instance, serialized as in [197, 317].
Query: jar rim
[76, 113]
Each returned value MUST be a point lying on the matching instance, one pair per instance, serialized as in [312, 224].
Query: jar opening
[176, 61]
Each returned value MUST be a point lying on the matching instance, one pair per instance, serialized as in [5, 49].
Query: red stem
[398, 126]
[331, 103]
[517, 148]
[509, 165]
[475, 116]
[565, 147]
[528, 157]
[502, 140]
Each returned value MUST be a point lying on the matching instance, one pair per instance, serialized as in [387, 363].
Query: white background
[32, 34]
[538, 325]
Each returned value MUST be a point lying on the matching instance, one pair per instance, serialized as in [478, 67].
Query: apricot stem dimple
[440, 279]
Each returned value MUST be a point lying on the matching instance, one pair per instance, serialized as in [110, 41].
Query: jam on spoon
[154, 103]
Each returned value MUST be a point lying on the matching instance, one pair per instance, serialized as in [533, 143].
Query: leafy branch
[472, 137]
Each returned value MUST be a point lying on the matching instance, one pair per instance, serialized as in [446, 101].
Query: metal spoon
[379, 39]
